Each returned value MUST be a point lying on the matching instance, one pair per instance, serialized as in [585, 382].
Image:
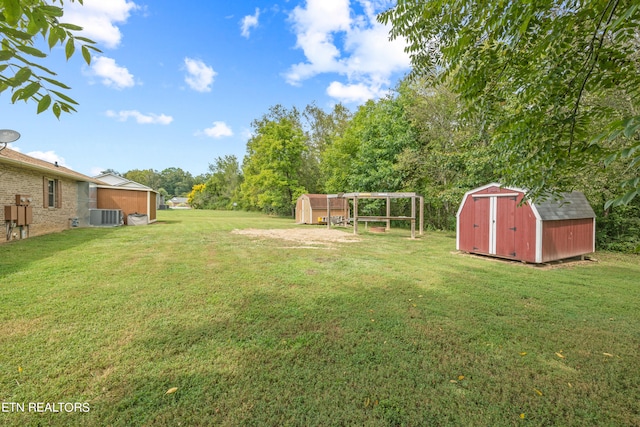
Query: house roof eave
[59, 171]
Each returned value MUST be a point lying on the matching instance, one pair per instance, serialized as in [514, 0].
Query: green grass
[383, 332]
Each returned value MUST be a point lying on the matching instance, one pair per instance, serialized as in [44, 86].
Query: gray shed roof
[569, 206]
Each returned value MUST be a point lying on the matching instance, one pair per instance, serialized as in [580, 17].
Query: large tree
[176, 181]
[149, 177]
[363, 158]
[272, 166]
[529, 69]
[22, 22]
[321, 129]
[452, 154]
[221, 188]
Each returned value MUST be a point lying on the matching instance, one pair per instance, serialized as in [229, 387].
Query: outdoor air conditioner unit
[105, 217]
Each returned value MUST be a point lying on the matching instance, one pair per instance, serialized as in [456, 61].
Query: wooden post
[388, 213]
[355, 215]
[421, 215]
[328, 213]
[413, 217]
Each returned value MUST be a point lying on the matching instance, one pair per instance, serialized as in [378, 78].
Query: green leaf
[61, 34]
[55, 82]
[67, 108]
[70, 48]
[30, 90]
[86, 55]
[628, 152]
[22, 76]
[38, 18]
[12, 12]
[93, 48]
[525, 25]
[16, 96]
[15, 34]
[5, 55]
[31, 51]
[53, 39]
[628, 197]
[44, 103]
[71, 27]
[54, 11]
[613, 135]
[608, 204]
[84, 39]
[56, 110]
[624, 16]
[34, 65]
[33, 27]
[610, 159]
[632, 127]
[64, 97]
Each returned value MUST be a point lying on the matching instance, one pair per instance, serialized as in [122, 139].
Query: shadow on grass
[278, 359]
[166, 222]
[18, 255]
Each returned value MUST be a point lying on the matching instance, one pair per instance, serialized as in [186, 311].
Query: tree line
[419, 138]
[170, 182]
[543, 95]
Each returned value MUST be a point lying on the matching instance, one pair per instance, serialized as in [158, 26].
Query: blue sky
[178, 83]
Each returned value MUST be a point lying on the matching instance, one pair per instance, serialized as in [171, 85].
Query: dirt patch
[309, 237]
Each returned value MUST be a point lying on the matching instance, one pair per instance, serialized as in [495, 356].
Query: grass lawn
[251, 331]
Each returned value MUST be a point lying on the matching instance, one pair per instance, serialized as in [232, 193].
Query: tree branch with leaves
[528, 68]
[22, 23]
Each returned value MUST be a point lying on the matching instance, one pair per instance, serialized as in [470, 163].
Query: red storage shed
[491, 221]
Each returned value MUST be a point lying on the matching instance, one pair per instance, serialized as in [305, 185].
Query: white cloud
[143, 119]
[112, 74]
[199, 75]
[96, 170]
[48, 156]
[100, 18]
[335, 40]
[249, 22]
[315, 27]
[354, 93]
[218, 130]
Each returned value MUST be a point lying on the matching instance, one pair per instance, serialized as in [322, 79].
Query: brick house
[58, 194]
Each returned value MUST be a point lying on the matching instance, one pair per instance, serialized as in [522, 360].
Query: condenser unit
[105, 217]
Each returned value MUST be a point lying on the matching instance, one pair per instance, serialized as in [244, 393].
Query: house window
[52, 193]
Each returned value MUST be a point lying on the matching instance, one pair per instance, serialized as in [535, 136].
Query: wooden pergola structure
[386, 218]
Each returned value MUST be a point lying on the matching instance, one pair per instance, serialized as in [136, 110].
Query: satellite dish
[7, 136]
